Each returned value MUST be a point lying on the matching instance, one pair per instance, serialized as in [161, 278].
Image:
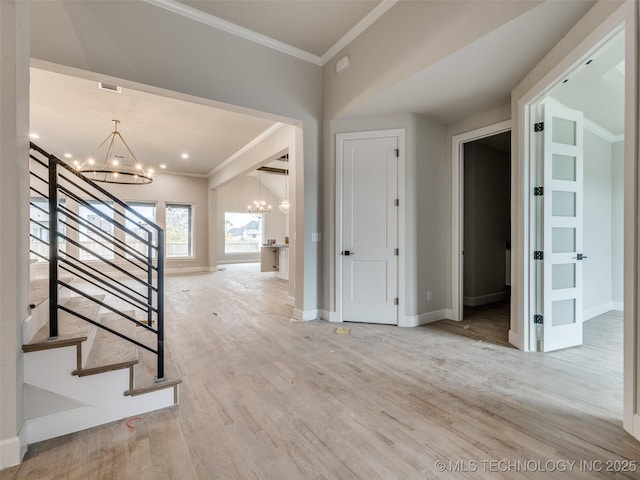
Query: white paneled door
[369, 243]
[563, 255]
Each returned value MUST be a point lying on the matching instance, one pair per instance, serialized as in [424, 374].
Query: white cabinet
[275, 258]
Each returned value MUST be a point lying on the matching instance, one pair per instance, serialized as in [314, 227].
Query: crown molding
[360, 27]
[602, 132]
[233, 29]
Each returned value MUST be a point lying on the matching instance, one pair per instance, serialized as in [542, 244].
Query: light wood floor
[267, 398]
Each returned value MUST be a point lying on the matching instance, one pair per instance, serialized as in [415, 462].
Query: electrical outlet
[429, 296]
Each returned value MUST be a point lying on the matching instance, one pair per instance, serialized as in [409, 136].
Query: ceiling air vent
[110, 87]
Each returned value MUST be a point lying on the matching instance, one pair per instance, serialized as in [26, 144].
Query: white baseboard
[178, 271]
[291, 301]
[514, 339]
[484, 299]
[69, 421]
[328, 316]
[306, 315]
[10, 452]
[636, 426]
[424, 318]
[240, 260]
[605, 307]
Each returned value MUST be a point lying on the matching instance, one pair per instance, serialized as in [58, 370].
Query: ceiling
[481, 75]
[158, 129]
[597, 88]
[310, 25]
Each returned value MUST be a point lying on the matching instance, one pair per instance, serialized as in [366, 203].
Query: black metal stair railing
[93, 249]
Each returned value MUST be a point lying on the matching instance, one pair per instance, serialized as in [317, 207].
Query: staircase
[94, 348]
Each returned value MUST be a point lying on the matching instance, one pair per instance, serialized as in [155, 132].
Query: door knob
[347, 253]
[581, 256]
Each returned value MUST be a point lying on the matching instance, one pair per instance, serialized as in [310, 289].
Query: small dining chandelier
[259, 206]
[117, 165]
[283, 205]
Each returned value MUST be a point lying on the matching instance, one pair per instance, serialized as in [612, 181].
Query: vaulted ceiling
[160, 129]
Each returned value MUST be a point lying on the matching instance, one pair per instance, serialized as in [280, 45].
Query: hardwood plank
[267, 398]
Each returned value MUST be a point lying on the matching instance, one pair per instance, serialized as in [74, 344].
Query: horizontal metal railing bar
[108, 237]
[42, 195]
[36, 158]
[41, 225]
[107, 306]
[39, 239]
[121, 214]
[39, 208]
[89, 267]
[75, 186]
[92, 183]
[93, 239]
[104, 327]
[115, 199]
[39, 255]
[106, 193]
[102, 215]
[108, 262]
[42, 179]
[103, 288]
[102, 283]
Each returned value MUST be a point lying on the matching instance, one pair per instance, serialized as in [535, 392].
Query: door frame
[457, 209]
[522, 333]
[340, 139]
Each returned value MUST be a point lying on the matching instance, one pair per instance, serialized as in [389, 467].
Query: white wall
[617, 223]
[486, 223]
[14, 223]
[598, 232]
[234, 196]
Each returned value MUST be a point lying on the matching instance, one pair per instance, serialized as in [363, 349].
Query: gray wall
[14, 222]
[486, 223]
[128, 41]
[426, 251]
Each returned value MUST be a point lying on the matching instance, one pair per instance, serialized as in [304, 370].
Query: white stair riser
[51, 370]
[62, 423]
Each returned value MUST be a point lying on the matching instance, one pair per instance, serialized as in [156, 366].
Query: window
[242, 232]
[179, 230]
[139, 227]
[39, 212]
[88, 236]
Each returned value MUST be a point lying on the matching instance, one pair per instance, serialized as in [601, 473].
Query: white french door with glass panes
[562, 226]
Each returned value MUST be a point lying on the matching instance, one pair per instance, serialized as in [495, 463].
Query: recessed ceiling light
[67, 155]
[34, 135]
[185, 156]
[162, 165]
